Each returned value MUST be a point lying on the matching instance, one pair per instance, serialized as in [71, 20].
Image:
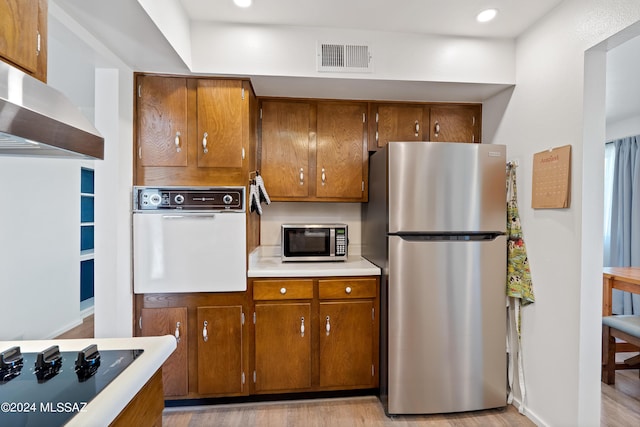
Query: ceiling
[453, 17]
[124, 28]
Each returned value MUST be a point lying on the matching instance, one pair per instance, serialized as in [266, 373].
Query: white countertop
[106, 406]
[266, 262]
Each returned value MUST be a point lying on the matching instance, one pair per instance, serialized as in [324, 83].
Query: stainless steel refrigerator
[435, 223]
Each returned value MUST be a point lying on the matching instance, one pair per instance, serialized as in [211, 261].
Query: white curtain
[622, 214]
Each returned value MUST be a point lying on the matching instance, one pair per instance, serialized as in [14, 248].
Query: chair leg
[608, 356]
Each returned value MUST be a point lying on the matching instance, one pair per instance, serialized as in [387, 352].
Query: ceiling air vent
[344, 58]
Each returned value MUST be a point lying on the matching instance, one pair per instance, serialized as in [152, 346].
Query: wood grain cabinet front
[348, 333]
[424, 122]
[315, 334]
[454, 123]
[220, 362]
[23, 35]
[193, 131]
[173, 321]
[282, 335]
[211, 359]
[314, 150]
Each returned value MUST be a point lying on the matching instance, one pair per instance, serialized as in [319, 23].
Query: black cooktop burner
[50, 387]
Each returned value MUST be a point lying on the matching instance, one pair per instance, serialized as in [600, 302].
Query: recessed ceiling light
[242, 3]
[487, 15]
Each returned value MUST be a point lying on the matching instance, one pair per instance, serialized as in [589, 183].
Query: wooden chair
[626, 328]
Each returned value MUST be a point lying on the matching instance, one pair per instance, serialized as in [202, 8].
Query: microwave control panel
[341, 241]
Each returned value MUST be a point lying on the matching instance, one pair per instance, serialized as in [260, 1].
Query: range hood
[37, 120]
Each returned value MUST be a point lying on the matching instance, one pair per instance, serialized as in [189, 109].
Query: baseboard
[529, 414]
[64, 329]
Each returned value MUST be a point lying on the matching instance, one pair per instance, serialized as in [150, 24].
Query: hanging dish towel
[262, 191]
[254, 198]
[519, 286]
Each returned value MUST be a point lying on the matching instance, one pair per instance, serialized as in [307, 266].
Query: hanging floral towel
[518, 273]
[519, 287]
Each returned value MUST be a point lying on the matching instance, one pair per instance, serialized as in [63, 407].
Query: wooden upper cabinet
[162, 121]
[424, 122]
[220, 131]
[23, 32]
[194, 131]
[455, 124]
[341, 150]
[314, 150]
[285, 148]
[397, 122]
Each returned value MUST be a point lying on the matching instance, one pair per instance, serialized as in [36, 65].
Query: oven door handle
[190, 216]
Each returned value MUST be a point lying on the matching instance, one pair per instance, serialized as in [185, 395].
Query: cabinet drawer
[282, 290]
[354, 288]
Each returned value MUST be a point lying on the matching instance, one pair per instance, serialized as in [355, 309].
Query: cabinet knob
[177, 332]
[283, 291]
[348, 290]
[436, 129]
[324, 177]
[204, 143]
[302, 326]
[205, 333]
[301, 176]
[327, 325]
[417, 128]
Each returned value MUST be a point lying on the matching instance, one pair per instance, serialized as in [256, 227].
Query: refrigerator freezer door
[446, 325]
[446, 187]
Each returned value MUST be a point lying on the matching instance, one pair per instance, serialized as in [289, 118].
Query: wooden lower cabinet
[346, 344]
[211, 359]
[164, 321]
[220, 367]
[282, 347]
[315, 334]
[284, 335]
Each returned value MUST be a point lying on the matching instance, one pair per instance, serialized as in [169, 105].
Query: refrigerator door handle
[475, 237]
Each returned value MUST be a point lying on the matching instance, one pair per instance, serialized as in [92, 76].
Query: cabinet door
[282, 346]
[341, 150]
[455, 124]
[220, 335]
[220, 112]
[19, 32]
[162, 121]
[163, 321]
[346, 343]
[399, 123]
[285, 148]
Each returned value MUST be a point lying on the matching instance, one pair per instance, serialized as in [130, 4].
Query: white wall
[277, 213]
[40, 218]
[282, 61]
[555, 102]
[623, 128]
[39, 247]
[109, 92]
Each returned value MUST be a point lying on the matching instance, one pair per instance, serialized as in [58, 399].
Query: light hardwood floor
[340, 412]
[620, 407]
[81, 331]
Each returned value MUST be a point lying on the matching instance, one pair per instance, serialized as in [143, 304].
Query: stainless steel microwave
[314, 242]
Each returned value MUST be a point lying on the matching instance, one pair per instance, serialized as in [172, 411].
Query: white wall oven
[189, 239]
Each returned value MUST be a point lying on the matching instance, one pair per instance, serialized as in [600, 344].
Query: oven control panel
[188, 198]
